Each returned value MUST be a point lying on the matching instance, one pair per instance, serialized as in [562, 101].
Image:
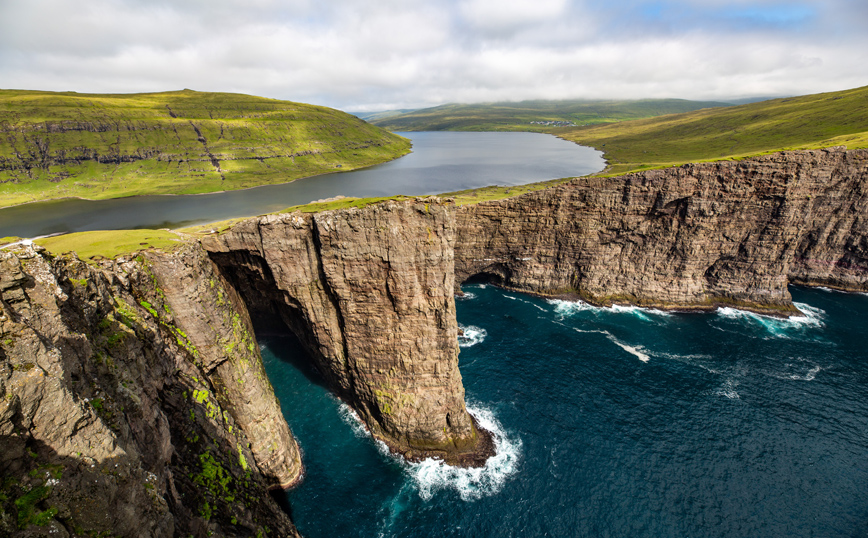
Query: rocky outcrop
[133, 399]
[115, 418]
[369, 293]
[692, 237]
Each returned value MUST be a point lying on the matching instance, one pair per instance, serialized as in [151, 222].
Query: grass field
[110, 244]
[807, 122]
[106, 146]
[520, 116]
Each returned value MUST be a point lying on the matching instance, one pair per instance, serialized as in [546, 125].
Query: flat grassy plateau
[96, 146]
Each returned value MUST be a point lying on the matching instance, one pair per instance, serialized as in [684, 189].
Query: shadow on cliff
[42, 489]
[286, 346]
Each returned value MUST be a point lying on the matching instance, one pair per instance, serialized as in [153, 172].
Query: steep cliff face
[133, 399]
[369, 293]
[696, 236]
[114, 421]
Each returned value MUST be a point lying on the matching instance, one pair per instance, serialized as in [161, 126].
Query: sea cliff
[132, 395]
[729, 233]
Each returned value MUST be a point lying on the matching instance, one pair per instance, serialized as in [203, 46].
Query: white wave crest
[811, 317]
[467, 296]
[353, 420]
[431, 476]
[568, 308]
[638, 351]
[471, 335]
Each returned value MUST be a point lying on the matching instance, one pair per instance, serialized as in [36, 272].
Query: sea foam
[472, 335]
[638, 351]
[568, 308]
[431, 476]
[811, 317]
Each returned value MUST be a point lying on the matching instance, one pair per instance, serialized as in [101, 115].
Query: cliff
[116, 417]
[693, 237]
[369, 294]
[133, 399]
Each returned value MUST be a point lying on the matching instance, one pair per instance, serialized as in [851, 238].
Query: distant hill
[380, 115]
[95, 146]
[534, 115]
[811, 121]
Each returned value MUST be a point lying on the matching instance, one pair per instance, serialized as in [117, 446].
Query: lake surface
[440, 162]
[613, 422]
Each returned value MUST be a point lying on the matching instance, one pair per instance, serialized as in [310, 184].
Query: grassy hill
[533, 115]
[97, 146]
[811, 121]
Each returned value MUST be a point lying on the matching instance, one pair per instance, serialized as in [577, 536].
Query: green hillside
[533, 115]
[811, 121]
[106, 146]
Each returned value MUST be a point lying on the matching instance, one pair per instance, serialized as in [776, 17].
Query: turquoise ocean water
[612, 422]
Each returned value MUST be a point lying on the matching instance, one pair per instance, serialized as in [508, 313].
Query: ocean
[611, 422]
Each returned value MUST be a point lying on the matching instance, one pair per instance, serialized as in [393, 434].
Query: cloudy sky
[363, 55]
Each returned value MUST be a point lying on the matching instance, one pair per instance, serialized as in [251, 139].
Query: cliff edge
[729, 233]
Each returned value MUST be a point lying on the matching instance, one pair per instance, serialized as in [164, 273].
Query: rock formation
[117, 416]
[133, 399]
[693, 237]
[369, 293]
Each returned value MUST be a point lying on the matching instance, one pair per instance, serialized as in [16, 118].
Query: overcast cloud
[382, 54]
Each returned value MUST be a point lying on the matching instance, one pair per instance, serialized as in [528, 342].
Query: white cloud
[368, 54]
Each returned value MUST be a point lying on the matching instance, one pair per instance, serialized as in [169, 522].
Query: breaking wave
[811, 317]
[431, 476]
[568, 308]
[470, 335]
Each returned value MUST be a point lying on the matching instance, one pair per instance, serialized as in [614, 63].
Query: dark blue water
[440, 162]
[614, 422]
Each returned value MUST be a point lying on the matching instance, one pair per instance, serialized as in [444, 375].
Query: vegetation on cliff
[107, 146]
[541, 116]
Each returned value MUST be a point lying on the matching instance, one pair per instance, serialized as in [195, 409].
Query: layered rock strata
[694, 237]
[132, 395]
[369, 294]
[118, 418]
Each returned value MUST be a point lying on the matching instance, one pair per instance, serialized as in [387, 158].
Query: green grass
[99, 146]
[808, 122]
[342, 203]
[518, 116]
[110, 244]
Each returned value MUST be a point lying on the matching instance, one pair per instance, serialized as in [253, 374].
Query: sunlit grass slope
[106, 146]
[520, 115]
[807, 122]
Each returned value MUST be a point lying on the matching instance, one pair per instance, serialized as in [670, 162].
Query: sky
[367, 55]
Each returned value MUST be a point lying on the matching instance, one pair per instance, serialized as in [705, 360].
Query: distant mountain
[94, 146]
[534, 115]
[381, 114]
[806, 122]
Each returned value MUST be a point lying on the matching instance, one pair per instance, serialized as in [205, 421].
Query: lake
[440, 162]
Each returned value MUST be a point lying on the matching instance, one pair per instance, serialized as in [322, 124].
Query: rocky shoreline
[133, 400]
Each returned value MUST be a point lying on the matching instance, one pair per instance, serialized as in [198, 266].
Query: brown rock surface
[133, 399]
[725, 233]
[110, 420]
[369, 293]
